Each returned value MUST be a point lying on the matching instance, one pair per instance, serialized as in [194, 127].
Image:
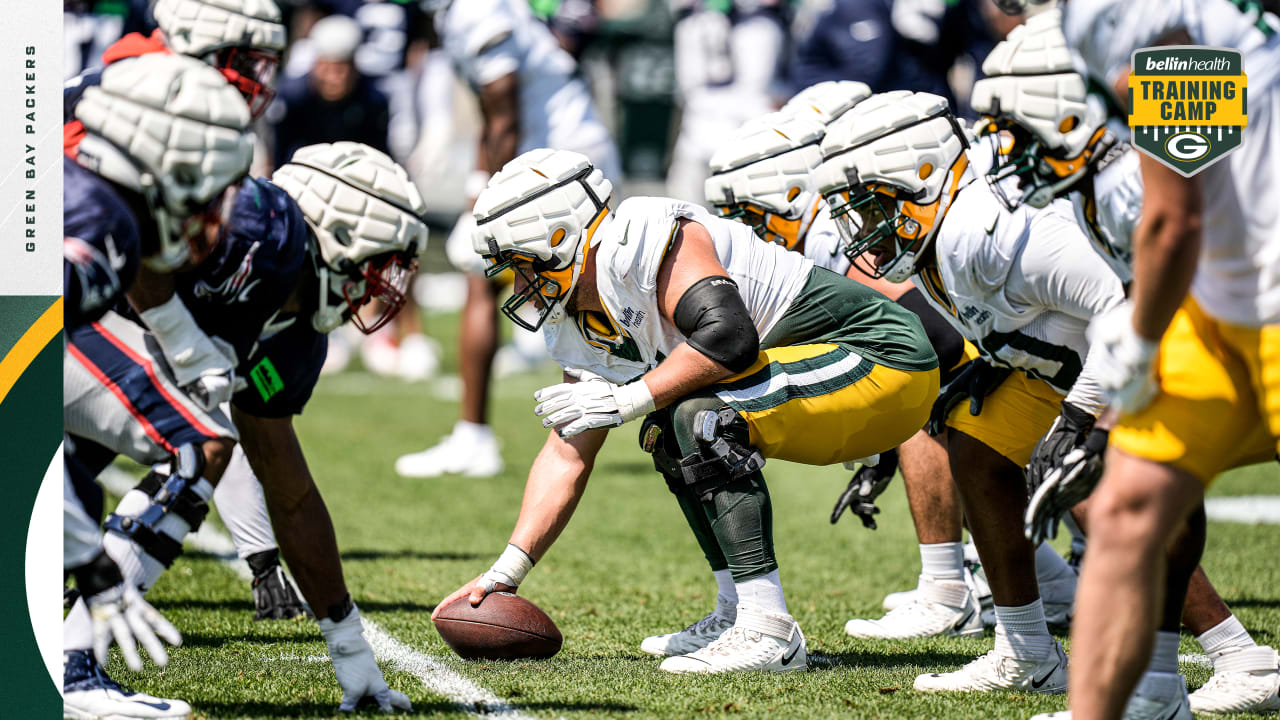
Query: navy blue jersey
[256, 265]
[101, 247]
[282, 371]
[237, 292]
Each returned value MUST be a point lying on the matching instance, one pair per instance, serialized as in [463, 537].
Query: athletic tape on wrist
[511, 567]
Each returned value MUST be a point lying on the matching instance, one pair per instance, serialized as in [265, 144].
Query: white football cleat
[758, 640]
[693, 638]
[1245, 680]
[1171, 705]
[998, 672]
[467, 451]
[946, 608]
[418, 358]
[88, 693]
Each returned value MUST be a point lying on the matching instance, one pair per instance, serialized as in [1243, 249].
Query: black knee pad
[723, 452]
[659, 440]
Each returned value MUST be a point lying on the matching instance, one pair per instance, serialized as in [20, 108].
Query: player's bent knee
[217, 455]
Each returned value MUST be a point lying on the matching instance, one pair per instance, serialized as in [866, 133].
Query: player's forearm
[501, 140]
[299, 516]
[500, 137]
[683, 372]
[1166, 249]
[556, 483]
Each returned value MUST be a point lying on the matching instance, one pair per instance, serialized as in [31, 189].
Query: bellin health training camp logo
[1187, 104]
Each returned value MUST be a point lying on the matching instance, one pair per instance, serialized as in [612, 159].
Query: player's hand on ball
[475, 591]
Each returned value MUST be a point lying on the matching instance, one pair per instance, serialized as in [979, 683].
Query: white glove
[120, 614]
[357, 671]
[591, 403]
[1126, 371]
[203, 367]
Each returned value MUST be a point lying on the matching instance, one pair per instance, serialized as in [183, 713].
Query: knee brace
[658, 439]
[171, 495]
[724, 453]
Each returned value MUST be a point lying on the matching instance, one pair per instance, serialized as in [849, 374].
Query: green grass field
[626, 567]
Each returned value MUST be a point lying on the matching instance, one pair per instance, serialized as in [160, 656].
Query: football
[504, 626]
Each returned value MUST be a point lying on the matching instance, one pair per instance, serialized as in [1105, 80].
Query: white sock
[243, 509]
[1164, 654]
[1021, 632]
[763, 593]
[1049, 564]
[1226, 635]
[942, 561]
[136, 565]
[726, 595]
[77, 628]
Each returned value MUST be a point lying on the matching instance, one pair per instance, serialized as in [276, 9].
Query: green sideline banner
[31, 348]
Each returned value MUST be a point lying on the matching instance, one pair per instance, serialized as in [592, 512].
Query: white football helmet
[891, 167]
[761, 176]
[1044, 126]
[537, 216]
[827, 101]
[366, 217]
[171, 129]
[242, 38]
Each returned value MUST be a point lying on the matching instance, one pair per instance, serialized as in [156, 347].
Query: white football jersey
[629, 248]
[1113, 211]
[1238, 279]
[823, 245]
[490, 39]
[1022, 286]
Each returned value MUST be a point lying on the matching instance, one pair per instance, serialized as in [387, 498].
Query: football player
[531, 97]
[733, 351]
[897, 174]
[138, 196]
[243, 39]
[1191, 359]
[1057, 142]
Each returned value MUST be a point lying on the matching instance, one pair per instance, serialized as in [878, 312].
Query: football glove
[120, 615]
[1065, 467]
[978, 379]
[591, 403]
[274, 597]
[1126, 371]
[867, 484]
[203, 366]
[357, 671]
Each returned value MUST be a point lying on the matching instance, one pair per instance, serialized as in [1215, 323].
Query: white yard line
[435, 675]
[1249, 509]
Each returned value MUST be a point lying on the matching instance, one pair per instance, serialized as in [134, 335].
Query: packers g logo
[1187, 104]
[1187, 146]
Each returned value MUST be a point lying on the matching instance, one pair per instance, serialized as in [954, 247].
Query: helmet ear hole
[1068, 124]
[925, 171]
[792, 194]
[558, 236]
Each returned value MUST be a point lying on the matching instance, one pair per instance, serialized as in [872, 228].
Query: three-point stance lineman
[736, 350]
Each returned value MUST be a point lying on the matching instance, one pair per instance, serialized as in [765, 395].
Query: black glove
[273, 595]
[865, 487]
[1065, 467]
[978, 379]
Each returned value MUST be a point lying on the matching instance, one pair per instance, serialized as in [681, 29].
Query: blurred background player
[530, 97]
[728, 58]
[334, 101]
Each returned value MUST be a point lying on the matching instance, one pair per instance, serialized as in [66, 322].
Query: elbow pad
[713, 317]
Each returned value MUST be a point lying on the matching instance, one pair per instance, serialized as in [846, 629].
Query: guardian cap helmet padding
[1043, 125]
[762, 176]
[827, 101]
[537, 216]
[891, 168]
[366, 217]
[242, 38]
[170, 128]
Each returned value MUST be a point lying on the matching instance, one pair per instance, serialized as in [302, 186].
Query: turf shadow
[370, 554]
[883, 659]
[303, 709]
[1254, 603]
[247, 606]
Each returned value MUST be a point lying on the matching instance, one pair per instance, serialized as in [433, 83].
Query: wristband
[634, 400]
[510, 569]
